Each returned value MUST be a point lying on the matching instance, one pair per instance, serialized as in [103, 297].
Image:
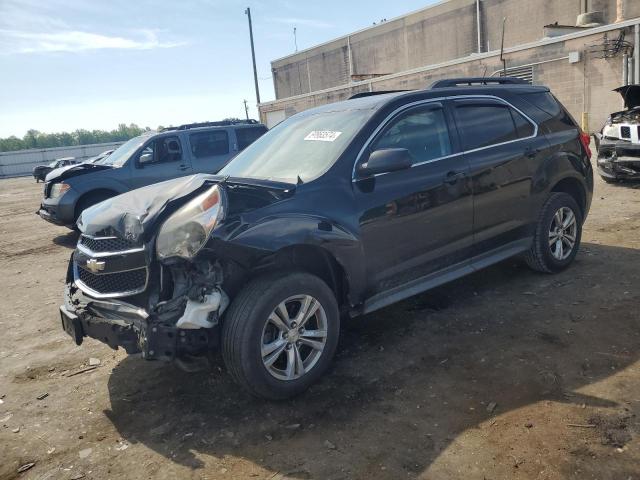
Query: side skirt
[422, 284]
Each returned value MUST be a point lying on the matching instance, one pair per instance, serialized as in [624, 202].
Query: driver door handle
[452, 177]
[183, 167]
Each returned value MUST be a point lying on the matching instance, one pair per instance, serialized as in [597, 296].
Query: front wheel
[557, 236]
[280, 334]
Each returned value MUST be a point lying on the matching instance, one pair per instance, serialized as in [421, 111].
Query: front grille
[47, 189]
[625, 132]
[106, 244]
[114, 283]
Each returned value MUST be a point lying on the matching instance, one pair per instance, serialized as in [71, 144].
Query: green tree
[36, 139]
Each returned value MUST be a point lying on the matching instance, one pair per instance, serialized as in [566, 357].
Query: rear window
[246, 136]
[209, 144]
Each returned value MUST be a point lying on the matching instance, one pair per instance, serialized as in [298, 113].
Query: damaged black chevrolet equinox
[339, 210]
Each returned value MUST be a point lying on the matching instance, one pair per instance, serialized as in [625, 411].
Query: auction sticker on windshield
[323, 135]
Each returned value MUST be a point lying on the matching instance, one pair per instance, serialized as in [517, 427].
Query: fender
[276, 233]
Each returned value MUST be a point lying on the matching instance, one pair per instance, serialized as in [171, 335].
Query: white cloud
[17, 41]
[35, 26]
[305, 22]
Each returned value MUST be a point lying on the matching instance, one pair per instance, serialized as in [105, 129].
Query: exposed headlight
[185, 232]
[58, 189]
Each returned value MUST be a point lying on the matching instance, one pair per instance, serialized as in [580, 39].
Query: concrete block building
[581, 49]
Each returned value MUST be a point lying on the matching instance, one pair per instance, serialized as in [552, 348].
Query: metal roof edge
[469, 58]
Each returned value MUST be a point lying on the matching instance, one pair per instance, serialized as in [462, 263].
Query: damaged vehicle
[618, 143]
[336, 212]
[149, 158]
[40, 172]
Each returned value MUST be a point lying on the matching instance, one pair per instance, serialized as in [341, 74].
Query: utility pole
[253, 55]
[295, 39]
[246, 109]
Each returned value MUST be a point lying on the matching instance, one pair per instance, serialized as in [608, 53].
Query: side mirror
[145, 158]
[386, 160]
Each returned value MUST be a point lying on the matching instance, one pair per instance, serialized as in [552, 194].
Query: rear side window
[486, 125]
[246, 136]
[209, 144]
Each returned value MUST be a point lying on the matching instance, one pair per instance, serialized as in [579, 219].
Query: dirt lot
[505, 374]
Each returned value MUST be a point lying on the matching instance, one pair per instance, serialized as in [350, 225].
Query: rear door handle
[452, 177]
[183, 167]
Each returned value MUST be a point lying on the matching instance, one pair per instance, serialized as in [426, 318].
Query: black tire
[540, 257]
[245, 320]
[609, 179]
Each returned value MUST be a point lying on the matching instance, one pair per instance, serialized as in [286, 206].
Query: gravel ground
[505, 374]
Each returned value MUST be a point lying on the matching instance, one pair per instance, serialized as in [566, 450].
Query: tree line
[37, 139]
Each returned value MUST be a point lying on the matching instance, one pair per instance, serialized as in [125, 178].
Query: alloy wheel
[562, 233]
[294, 337]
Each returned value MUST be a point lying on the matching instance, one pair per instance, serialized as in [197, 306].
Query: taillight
[585, 139]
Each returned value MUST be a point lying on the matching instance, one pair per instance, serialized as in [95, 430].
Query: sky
[92, 64]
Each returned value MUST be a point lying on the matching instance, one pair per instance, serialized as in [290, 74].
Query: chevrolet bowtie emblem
[94, 265]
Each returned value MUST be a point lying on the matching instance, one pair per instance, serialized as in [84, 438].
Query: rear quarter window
[547, 103]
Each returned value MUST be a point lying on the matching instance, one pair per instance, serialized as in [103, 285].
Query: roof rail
[472, 81]
[377, 92]
[220, 123]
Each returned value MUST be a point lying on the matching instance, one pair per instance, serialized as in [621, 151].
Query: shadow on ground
[407, 380]
[68, 240]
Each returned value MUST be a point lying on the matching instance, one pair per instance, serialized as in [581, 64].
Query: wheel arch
[107, 192]
[314, 260]
[572, 186]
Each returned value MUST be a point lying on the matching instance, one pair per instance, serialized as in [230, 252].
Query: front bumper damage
[618, 159]
[179, 328]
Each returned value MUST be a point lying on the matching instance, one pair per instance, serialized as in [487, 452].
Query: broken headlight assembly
[186, 231]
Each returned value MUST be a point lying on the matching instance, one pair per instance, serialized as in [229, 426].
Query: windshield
[302, 146]
[122, 153]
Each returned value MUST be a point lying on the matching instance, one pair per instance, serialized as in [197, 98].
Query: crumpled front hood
[133, 215]
[69, 171]
[630, 94]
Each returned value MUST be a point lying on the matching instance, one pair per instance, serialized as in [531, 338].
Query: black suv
[339, 210]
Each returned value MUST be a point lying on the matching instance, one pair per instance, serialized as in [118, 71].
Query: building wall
[430, 36]
[585, 86]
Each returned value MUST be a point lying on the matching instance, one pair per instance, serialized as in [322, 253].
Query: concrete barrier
[21, 162]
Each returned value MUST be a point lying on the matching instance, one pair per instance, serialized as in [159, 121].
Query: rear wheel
[280, 334]
[557, 237]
